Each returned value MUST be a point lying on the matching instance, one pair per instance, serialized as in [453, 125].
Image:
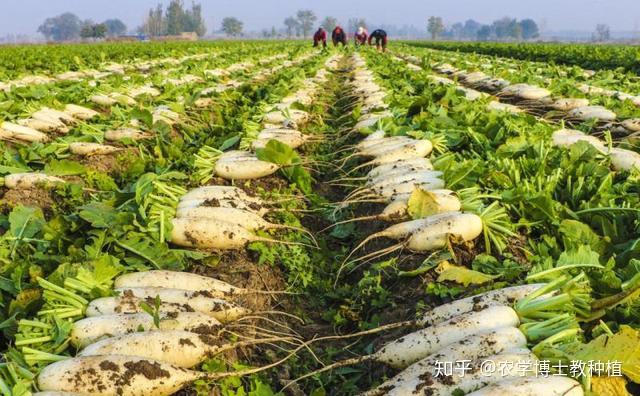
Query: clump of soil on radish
[239, 268]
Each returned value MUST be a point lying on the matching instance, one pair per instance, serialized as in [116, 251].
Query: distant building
[184, 36]
[128, 38]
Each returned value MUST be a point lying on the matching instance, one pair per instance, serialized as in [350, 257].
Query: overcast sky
[24, 16]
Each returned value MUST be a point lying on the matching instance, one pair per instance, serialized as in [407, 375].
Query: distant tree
[516, 31]
[86, 29]
[193, 20]
[175, 17]
[90, 30]
[291, 24]
[504, 27]
[329, 23]
[307, 19]
[529, 29]
[100, 30]
[435, 27]
[61, 28]
[155, 25]
[355, 23]
[270, 33]
[115, 27]
[232, 27]
[471, 28]
[175, 20]
[484, 33]
[457, 30]
[603, 32]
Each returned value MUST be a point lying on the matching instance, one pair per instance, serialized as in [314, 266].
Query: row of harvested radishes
[47, 120]
[223, 217]
[621, 159]
[191, 309]
[574, 109]
[400, 167]
[108, 70]
[475, 329]
[124, 350]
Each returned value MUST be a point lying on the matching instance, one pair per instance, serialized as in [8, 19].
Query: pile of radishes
[469, 332]
[573, 109]
[222, 218]
[621, 159]
[44, 121]
[232, 165]
[281, 123]
[398, 168]
[125, 350]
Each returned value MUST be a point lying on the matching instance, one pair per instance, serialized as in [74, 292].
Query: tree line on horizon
[176, 19]
[501, 29]
[68, 26]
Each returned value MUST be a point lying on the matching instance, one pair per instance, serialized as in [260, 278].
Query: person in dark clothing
[361, 36]
[320, 37]
[381, 39]
[338, 36]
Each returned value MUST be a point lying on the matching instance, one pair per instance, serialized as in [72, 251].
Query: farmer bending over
[381, 39]
[320, 36]
[361, 36]
[338, 36]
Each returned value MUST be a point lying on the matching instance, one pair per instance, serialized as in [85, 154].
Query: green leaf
[422, 204]
[155, 253]
[99, 277]
[227, 144]
[277, 153]
[575, 234]
[582, 255]
[462, 275]
[153, 311]
[25, 222]
[143, 115]
[99, 214]
[507, 269]
[64, 168]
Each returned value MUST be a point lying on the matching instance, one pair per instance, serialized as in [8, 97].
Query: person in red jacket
[381, 39]
[361, 36]
[320, 36]
[338, 36]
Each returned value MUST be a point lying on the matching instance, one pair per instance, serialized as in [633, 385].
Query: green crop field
[268, 218]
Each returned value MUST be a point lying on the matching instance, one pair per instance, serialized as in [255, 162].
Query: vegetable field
[266, 218]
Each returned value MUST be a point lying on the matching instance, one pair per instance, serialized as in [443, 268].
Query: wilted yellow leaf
[462, 275]
[609, 386]
[622, 347]
[422, 204]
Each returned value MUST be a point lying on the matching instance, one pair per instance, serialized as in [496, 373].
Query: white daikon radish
[176, 347]
[44, 126]
[24, 181]
[10, 131]
[592, 112]
[566, 104]
[472, 348]
[214, 234]
[533, 386]
[89, 149]
[79, 112]
[89, 330]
